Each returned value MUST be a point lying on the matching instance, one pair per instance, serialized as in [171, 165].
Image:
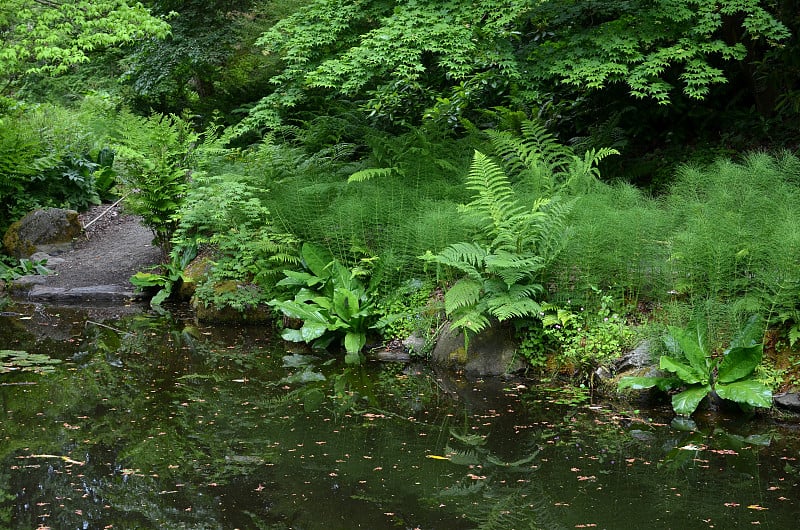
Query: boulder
[48, 230]
[491, 352]
[193, 274]
[640, 357]
[211, 313]
[787, 400]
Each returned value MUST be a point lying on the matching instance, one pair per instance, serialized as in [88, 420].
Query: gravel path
[114, 247]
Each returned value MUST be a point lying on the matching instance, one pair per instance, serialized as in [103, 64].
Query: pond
[151, 421]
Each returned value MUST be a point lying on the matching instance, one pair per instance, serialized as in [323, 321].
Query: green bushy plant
[332, 301]
[618, 244]
[153, 161]
[534, 343]
[412, 309]
[49, 156]
[165, 277]
[584, 338]
[224, 214]
[514, 244]
[736, 236]
[502, 268]
[700, 372]
[24, 267]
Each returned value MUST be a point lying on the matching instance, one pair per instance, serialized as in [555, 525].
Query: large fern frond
[512, 306]
[584, 173]
[494, 200]
[370, 173]
[464, 293]
[474, 321]
[466, 257]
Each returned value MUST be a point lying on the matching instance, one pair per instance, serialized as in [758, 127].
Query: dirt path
[114, 247]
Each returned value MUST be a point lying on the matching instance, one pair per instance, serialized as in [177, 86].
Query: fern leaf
[494, 198]
[464, 293]
[370, 173]
[511, 306]
[474, 321]
[466, 257]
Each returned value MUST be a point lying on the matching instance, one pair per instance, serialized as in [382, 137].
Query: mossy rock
[208, 312]
[492, 352]
[193, 275]
[50, 230]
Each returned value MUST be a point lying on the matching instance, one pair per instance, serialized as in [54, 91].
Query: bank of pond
[125, 418]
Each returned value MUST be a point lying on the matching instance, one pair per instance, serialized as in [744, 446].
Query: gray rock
[390, 356]
[90, 294]
[415, 344]
[44, 256]
[26, 282]
[788, 401]
[492, 352]
[44, 230]
[640, 357]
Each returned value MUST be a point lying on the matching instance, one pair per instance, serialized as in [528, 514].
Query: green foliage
[166, 277]
[399, 56]
[737, 235]
[649, 46]
[153, 161]
[408, 310]
[51, 156]
[542, 166]
[700, 373]
[587, 339]
[25, 267]
[617, 244]
[50, 37]
[332, 302]
[514, 244]
[396, 216]
[533, 343]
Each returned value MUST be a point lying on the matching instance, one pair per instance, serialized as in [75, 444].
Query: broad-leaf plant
[699, 373]
[332, 302]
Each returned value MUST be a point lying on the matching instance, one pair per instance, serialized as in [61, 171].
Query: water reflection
[151, 421]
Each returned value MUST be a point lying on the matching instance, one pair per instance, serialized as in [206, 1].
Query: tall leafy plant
[515, 242]
[153, 157]
[520, 217]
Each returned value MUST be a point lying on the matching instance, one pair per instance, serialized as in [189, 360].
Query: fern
[513, 245]
[370, 173]
[539, 162]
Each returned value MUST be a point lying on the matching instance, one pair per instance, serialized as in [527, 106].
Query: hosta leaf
[312, 330]
[345, 303]
[686, 402]
[354, 342]
[298, 278]
[305, 312]
[317, 259]
[292, 335]
[692, 343]
[739, 362]
[748, 391]
[688, 374]
[641, 383]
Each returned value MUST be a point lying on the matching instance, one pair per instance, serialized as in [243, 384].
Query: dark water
[154, 422]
